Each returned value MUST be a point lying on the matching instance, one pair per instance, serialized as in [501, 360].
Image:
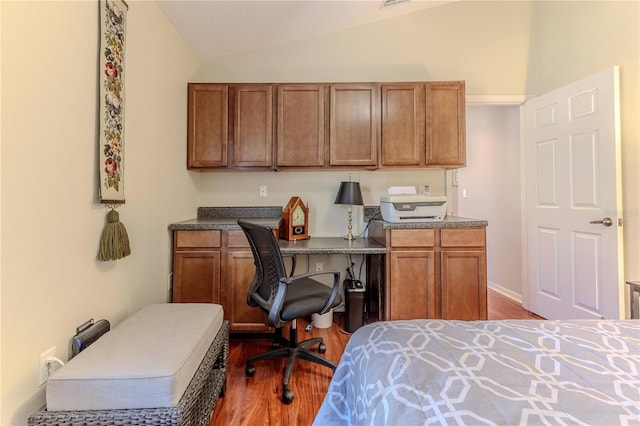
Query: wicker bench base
[194, 409]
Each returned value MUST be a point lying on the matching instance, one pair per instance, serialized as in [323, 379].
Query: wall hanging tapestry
[114, 242]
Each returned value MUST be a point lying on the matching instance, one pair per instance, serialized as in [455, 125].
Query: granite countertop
[226, 218]
[221, 224]
[447, 222]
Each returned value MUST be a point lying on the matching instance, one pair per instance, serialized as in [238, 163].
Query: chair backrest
[269, 265]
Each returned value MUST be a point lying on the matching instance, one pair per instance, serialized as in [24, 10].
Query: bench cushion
[147, 361]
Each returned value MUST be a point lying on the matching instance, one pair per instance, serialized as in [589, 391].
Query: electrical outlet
[45, 366]
[263, 191]
[318, 266]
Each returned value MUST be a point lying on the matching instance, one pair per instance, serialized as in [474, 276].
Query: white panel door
[573, 179]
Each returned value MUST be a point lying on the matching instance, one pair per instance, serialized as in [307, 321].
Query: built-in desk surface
[332, 245]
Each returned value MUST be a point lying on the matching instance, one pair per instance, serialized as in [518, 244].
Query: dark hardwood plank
[256, 400]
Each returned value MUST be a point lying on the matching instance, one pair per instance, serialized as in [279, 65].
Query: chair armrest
[293, 263]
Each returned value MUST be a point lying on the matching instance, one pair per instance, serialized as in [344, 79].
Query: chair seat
[306, 297]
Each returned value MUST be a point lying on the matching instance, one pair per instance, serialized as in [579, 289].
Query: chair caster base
[322, 348]
[250, 371]
[287, 396]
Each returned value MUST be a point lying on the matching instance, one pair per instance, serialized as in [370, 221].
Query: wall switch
[464, 193]
[46, 368]
[263, 191]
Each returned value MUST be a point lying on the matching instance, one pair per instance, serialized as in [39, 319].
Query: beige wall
[51, 220]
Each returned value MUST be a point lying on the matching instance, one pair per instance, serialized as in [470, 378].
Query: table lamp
[349, 193]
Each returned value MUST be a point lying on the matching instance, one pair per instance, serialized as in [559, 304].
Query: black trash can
[354, 305]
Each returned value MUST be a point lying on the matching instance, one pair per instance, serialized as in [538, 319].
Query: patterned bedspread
[514, 372]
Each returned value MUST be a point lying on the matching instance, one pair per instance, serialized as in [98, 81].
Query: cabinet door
[300, 135]
[464, 284]
[196, 276]
[402, 120]
[353, 125]
[445, 126]
[207, 133]
[239, 274]
[412, 287]
[253, 125]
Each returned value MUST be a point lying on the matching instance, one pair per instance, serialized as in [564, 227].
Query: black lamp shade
[349, 193]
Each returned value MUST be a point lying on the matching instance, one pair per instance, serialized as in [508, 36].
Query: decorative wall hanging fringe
[114, 242]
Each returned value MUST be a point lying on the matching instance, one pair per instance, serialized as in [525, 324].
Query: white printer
[413, 208]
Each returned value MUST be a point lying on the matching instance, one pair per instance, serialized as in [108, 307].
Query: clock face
[297, 219]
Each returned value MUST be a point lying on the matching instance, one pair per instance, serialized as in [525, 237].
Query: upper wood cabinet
[325, 125]
[423, 124]
[230, 126]
[207, 137]
[402, 121]
[445, 125]
[300, 131]
[353, 131]
[253, 125]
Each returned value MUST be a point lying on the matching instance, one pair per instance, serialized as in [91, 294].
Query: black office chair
[286, 298]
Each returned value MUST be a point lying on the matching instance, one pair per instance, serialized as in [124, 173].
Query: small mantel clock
[295, 221]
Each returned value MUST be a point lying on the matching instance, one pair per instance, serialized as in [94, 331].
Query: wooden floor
[256, 400]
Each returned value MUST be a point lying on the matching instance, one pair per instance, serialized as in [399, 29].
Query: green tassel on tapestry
[114, 242]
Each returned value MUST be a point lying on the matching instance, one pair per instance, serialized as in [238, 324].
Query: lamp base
[350, 237]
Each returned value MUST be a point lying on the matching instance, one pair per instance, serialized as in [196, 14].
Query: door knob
[606, 221]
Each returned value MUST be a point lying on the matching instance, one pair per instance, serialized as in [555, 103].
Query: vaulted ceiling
[217, 28]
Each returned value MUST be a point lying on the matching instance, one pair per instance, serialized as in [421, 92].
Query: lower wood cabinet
[238, 276]
[196, 266]
[464, 290]
[434, 273]
[414, 278]
[196, 276]
[214, 266]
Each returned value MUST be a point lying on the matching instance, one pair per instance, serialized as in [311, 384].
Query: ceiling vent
[389, 3]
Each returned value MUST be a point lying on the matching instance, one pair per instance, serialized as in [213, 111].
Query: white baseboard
[517, 297]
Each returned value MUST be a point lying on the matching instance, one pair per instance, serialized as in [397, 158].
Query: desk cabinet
[196, 267]
[214, 266]
[434, 273]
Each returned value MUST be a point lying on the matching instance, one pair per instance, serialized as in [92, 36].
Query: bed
[507, 372]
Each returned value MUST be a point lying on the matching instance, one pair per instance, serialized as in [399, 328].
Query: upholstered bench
[164, 365]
